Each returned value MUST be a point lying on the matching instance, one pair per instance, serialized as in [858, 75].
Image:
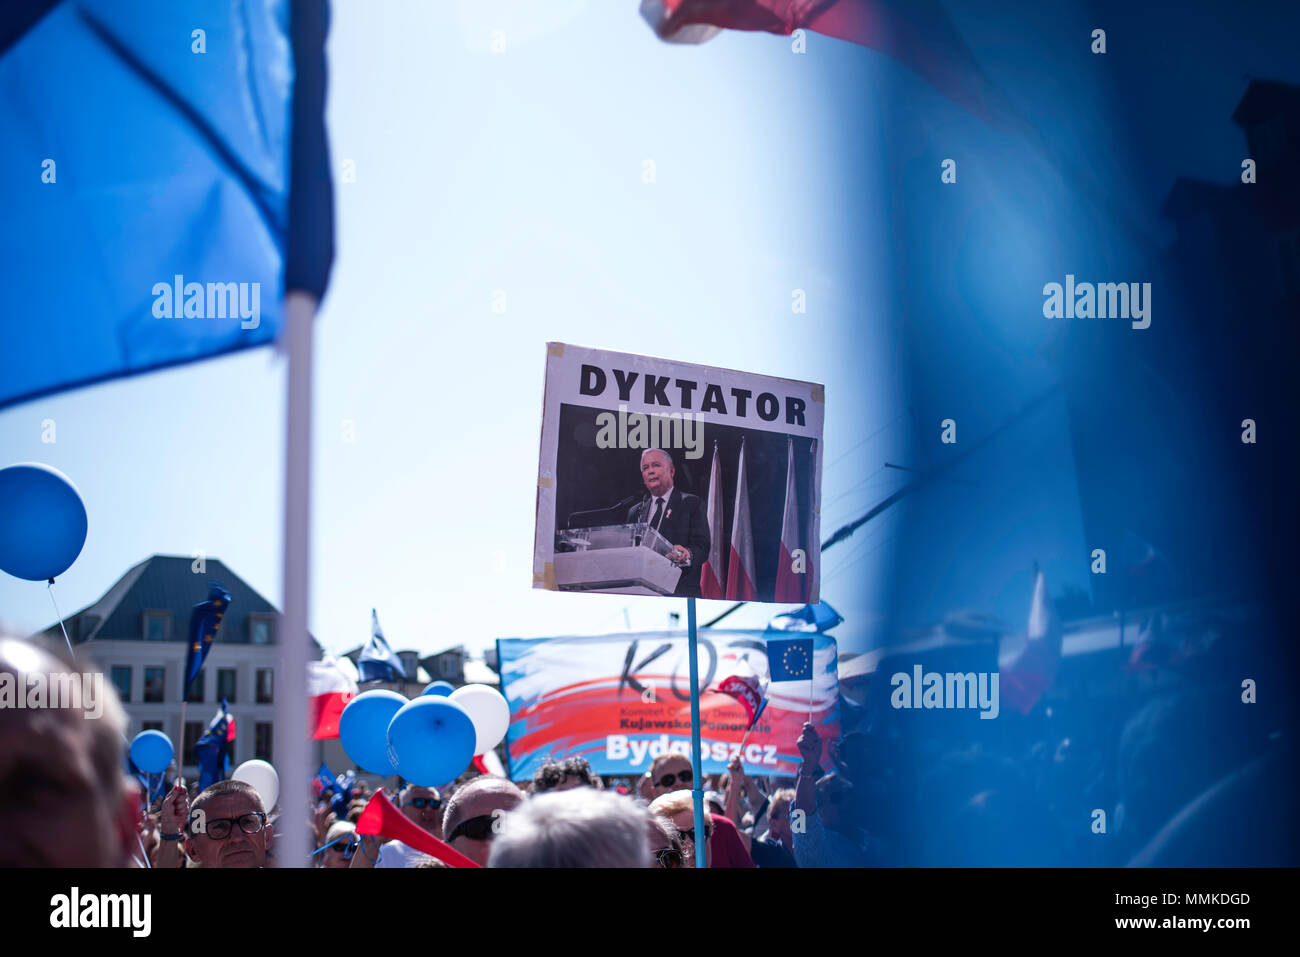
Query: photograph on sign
[667, 478]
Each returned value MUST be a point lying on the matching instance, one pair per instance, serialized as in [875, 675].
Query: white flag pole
[290, 743]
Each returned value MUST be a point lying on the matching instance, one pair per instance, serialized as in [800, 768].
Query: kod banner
[620, 701]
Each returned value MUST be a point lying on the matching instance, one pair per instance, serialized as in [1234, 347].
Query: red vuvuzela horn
[382, 819]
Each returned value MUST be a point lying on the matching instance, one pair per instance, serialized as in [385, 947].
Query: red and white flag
[748, 689]
[711, 573]
[916, 33]
[489, 763]
[329, 689]
[1026, 679]
[740, 566]
[790, 584]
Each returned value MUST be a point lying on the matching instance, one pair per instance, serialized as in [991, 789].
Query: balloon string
[143, 852]
[59, 615]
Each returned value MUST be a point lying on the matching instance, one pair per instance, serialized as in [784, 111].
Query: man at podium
[675, 515]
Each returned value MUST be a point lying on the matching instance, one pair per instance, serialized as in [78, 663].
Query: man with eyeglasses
[226, 826]
[473, 815]
[670, 773]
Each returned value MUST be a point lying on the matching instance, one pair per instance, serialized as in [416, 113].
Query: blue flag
[213, 749]
[790, 659]
[165, 186]
[205, 619]
[377, 661]
[819, 617]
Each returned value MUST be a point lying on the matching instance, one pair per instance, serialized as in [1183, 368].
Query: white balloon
[263, 778]
[488, 709]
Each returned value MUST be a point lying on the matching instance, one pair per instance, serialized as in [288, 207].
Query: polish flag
[790, 584]
[711, 573]
[740, 567]
[916, 33]
[329, 689]
[1033, 671]
[489, 763]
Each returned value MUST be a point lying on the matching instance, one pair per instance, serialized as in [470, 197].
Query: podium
[623, 559]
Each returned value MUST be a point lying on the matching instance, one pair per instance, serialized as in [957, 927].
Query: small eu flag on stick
[205, 619]
[791, 659]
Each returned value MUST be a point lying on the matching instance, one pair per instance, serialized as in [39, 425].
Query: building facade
[138, 635]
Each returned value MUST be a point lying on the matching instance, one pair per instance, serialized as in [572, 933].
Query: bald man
[65, 800]
[678, 517]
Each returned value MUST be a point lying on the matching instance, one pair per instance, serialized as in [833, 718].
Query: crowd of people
[1118, 786]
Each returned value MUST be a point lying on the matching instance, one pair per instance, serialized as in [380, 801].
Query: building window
[261, 629]
[157, 625]
[410, 664]
[151, 726]
[197, 686]
[262, 740]
[122, 681]
[226, 684]
[265, 683]
[193, 731]
[153, 685]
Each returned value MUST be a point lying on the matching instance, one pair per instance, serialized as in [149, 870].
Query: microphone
[598, 511]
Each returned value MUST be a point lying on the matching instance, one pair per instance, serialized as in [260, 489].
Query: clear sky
[501, 149]
[521, 171]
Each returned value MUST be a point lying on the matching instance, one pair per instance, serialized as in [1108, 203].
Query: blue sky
[519, 171]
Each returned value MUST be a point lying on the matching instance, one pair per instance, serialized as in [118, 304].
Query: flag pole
[290, 743]
[180, 762]
[697, 789]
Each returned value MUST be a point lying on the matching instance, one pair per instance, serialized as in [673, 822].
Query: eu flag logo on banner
[790, 659]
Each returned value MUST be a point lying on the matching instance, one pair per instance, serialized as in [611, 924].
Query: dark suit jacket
[685, 523]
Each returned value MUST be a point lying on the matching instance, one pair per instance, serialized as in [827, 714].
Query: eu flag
[205, 619]
[790, 659]
[377, 661]
[166, 182]
[213, 749]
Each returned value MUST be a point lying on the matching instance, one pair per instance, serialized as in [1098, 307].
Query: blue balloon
[152, 752]
[42, 522]
[431, 741]
[443, 688]
[363, 729]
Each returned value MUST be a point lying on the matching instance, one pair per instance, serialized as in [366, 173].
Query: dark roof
[1263, 100]
[166, 583]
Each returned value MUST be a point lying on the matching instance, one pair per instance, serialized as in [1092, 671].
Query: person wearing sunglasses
[423, 807]
[665, 843]
[227, 827]
[679, 808]
[473, 815]
[670, 772]
[340, 844]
